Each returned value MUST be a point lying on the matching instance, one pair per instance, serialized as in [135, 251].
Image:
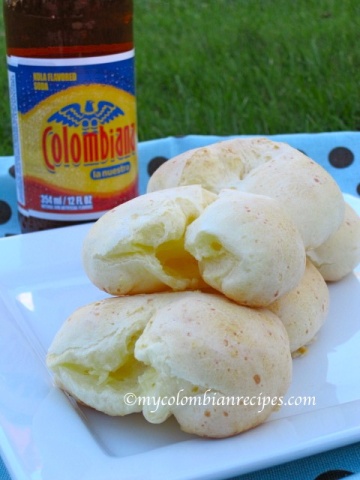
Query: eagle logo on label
[88, 118]
[87, 132]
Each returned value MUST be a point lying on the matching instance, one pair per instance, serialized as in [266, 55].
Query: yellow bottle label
[75, 135]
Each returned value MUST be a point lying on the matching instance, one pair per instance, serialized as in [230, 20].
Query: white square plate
[46, 436]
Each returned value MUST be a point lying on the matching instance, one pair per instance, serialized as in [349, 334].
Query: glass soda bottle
[73, 108]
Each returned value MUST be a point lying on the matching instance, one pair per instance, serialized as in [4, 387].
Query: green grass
[5, 122]
[240, 67]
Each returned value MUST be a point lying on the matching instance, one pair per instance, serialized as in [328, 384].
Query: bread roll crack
[259, 254]
[143, 251]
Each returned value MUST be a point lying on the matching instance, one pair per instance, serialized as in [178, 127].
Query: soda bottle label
[75, 135]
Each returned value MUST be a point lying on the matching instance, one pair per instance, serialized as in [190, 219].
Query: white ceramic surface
[46, 436]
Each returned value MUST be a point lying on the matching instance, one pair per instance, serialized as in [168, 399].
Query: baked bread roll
[137, 247]
[212, 345]
[218, 367]
[262, 166]
[304, 309]
[247, 248]
[92, 355]
[220, 165]
[340, 254]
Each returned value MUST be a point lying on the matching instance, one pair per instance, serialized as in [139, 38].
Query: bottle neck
[56, 30]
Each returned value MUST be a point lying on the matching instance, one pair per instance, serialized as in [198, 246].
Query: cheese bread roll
[221, 359]
[197, 356]
[340, 254]
[261, 166]
[304, 309]
[137, 247]
[248, 248]
[92, 355]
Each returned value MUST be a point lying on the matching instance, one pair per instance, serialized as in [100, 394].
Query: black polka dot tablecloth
[337, 152]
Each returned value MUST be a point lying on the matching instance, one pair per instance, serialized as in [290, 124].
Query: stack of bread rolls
[217, 278]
